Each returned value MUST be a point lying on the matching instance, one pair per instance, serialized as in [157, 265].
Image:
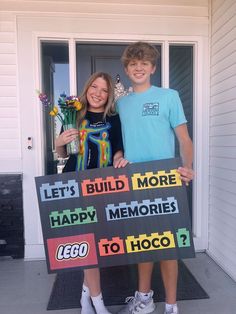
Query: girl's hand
[186, 174]
[66, 137]
[120, 162]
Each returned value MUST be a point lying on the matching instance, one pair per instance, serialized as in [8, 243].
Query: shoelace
[139, 307]
[134, 306]
[129, 299]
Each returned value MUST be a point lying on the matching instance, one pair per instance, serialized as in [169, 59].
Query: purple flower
[44, 100]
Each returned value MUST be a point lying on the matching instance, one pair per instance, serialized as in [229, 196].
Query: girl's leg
[92, 280]
[85, 301]
[92, 283]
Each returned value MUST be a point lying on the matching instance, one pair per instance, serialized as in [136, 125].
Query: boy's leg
[169, 272]
[142, 302]
[145, 276]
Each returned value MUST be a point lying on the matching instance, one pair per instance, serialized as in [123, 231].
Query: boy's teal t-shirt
[148, 120]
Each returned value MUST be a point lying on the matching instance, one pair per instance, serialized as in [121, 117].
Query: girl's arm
[118, 160]
[63, 139]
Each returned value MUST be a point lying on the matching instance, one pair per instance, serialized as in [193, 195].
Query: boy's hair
[109, 106]
[140, 51]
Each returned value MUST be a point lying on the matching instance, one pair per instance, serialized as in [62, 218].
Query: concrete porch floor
[25, 288]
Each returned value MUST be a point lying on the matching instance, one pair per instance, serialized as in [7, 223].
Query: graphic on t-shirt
[151, 109]
[104, 149]
[98, 135]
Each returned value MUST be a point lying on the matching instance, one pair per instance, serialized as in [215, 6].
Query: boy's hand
[186, 174]
[120, 162]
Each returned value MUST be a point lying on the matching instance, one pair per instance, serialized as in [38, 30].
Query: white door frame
[34, 248]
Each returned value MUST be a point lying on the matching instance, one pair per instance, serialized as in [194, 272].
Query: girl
[100, 146]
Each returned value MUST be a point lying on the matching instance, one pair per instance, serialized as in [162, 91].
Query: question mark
[184, 237]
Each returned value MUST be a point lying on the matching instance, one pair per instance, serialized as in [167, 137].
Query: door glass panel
[181, 79]
[106, 58]
[55, 80]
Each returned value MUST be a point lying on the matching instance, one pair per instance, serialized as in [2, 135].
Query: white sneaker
[86, 306]
[87, 310]
[173, 310]
[103, 312]
[136, 306]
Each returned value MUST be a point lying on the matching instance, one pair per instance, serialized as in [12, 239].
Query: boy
[149, 117]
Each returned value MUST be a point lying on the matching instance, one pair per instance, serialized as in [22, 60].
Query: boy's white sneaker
[172, 310]
[136, 306]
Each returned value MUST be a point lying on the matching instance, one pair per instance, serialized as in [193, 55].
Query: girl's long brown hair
[109, 106]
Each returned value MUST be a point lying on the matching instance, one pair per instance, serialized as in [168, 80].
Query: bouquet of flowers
[69, 106]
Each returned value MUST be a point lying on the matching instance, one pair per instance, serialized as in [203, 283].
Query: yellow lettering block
[160, 179]
[149, 243]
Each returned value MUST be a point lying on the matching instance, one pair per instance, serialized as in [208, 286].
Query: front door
[105, 58]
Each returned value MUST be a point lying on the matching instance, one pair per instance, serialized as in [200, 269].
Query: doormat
[118, 283]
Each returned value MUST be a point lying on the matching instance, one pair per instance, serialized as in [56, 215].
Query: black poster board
[107, 217]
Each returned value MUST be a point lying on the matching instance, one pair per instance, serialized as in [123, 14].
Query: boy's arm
[186, 153]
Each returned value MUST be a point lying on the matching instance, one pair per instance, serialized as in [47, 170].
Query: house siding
[222, 162]
[128, 7]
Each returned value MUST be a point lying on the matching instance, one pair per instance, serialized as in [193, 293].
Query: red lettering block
[73, 251]
[112, 247]
[104, 186]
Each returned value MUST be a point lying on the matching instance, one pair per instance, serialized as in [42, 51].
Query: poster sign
[107, 217]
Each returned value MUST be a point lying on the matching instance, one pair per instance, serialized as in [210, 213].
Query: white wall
[10, 151]
[222, 216]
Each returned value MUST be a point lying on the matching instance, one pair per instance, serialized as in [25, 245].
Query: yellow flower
[54, 111]
[70, 102]
[77, 105]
